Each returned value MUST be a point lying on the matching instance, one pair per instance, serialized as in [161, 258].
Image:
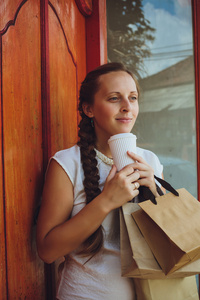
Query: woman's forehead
[117, 79]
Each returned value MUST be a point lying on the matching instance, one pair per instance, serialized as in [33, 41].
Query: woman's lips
[124, 120]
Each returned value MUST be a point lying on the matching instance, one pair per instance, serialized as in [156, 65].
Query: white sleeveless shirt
[100, 277]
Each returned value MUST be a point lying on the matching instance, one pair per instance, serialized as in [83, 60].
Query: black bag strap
[146, 193]
[166, 185]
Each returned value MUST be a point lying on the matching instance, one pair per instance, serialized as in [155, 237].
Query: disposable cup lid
[121, 136]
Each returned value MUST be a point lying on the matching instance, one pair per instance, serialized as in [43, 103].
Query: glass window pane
[154, 39]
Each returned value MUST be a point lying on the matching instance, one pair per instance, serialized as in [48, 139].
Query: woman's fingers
[135, 185]
[112, 173]
[136, 157]
[142, 167]
[129, 173]
[120, 187]
[146, 172]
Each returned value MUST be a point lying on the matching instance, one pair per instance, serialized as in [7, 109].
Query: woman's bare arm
[57, 234]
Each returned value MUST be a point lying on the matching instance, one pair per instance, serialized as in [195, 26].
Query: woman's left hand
[146, 172]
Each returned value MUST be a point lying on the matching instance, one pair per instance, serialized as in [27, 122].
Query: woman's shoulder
[69, 153]
[69, 159]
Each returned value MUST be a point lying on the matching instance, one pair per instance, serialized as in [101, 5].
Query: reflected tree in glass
[128, 33]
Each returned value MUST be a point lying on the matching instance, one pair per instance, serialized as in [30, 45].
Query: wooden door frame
[96, 54]
[96, 36]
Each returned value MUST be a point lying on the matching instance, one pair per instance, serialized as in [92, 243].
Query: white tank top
[99, 278]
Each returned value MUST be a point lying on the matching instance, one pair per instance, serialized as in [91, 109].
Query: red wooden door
[43, 59]
[21, 151]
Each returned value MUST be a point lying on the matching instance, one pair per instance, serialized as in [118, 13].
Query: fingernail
[137, 185]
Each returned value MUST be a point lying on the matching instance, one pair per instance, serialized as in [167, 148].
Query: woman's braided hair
[87, 141]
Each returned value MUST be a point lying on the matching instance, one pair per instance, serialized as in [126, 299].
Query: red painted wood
[22, 148]
[46, 123]
[65, 48]
[96, 36]
[8, 10]
[12, 21]
[43, 52]
[61, 25]
[3, 260]
[67, 68]
[85, 6]
[45, 89]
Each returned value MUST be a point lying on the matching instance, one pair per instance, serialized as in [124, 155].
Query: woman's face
[115, 106]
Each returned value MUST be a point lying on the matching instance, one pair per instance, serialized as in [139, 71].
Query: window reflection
[166, 123]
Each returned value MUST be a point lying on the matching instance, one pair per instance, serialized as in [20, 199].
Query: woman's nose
[125, 105]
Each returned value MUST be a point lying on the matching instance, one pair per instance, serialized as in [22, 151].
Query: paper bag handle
[146, 194]
[166, 185]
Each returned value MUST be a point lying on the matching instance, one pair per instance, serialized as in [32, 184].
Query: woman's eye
[133, 98]
[113, 98]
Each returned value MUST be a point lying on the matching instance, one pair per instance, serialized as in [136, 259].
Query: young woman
[83, 191]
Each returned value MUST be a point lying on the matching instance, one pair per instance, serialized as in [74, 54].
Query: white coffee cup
[119, 145]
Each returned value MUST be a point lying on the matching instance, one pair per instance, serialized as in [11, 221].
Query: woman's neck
[104, 148]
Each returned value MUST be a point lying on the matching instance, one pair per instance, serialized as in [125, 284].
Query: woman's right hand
[120, 187]
[57, 233]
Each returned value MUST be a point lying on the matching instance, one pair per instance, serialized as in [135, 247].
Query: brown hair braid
[87, 140]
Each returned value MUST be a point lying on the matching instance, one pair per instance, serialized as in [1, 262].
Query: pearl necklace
[104, 158]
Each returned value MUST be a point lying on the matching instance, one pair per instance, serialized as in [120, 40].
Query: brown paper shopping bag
[168, 289]
[172, 229]
[137, 259]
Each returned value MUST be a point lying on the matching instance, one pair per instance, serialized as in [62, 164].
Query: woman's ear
[87, 109]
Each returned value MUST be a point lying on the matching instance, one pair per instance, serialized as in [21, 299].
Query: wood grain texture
[9, 10]
[85, 7]
[42, 64]
[22, 150]
[66, 51]
[96, 33]
[3, 253]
